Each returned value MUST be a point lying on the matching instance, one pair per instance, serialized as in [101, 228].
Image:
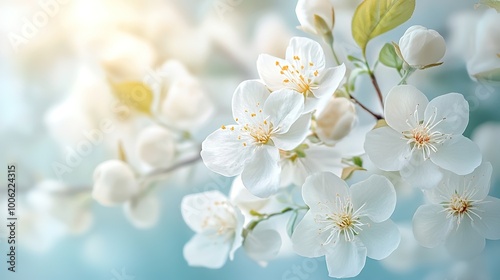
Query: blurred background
[63, 65]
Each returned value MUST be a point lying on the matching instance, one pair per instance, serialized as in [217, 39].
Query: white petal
[305, 238]
[380, 239]
[193, 207]
[321, 189]
[330, 81]
[420, 173]
[458, 154]
[465, 241]
[386, 149]
[206, 251]
[375, 196]
[346, 259]
[262, 245]
[269, 72]
[400, 105]
[224, 153]
[249, 98]
[261, 175]
[295, 135]
[478, 182]
[308, 51]
[284, 107]
[238, 231]
[489, 224]
[452, 109]
[430, 225]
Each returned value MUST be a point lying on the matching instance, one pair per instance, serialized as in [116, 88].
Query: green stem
[406, 76]
[374, 82]
[264, 217]
[328, 38]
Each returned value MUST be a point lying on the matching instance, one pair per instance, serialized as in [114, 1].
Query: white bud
[156, 146]
[421, 46]
[114, 183]
[336, 120]
[143, 211]
[306, 11]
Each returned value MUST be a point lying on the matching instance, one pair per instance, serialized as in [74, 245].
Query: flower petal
[400, 105]
[489, 224]
[478, 182]
[223, 153]
[284, 107]
[452, 110]
[321, 189]
[430, 225]
[206, 251]
[295, 135]
[248, 99]
[261, 175]
[420, 173]
[459, 155]
[269, 71]
[238, 237]
[465, 241]
[193, 207]
[301, 51]
[380, 239]
[346, 259]
[386, 149]
[262, 245]
[374, 198]
[305, 238]
[330, 81]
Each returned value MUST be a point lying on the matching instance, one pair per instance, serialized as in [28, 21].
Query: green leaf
[375, 17]
[495, 4]
[292, 223]
[137, 95]
[357, 161]
[389, 57]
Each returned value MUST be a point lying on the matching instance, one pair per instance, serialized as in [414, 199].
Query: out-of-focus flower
[262, 245]
[347, 224]
[156, 146]
[461, 215]
[421, 47]
[306, 160]
[243, 199]
[315, 16]
[485, 136]
[271, 35]
[422, 136]
[218, 226]
[336, 120]
[484, 65]
[114, 183]
[266, 123]
[143, 211]
[303, 71]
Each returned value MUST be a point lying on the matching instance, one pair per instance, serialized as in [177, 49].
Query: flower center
[219, 219]
[297, 76]
[460, 205]
[423, 135]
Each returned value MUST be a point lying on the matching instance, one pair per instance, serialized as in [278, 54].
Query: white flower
[244, 200]
[485, 136]
[336, 120]
[306, 160]
[143, 211]
[114, 183]
[461, 215]
[422, 136]
[262, 245]
[421, 47]
[303, 71]
[347, 224]
[218, 226]
[156, 146]
[308, 10]
[266, 123]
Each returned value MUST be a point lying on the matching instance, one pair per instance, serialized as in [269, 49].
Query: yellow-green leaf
[375, 17]
[495, 4]
[137, 95]
[389, 57]
[347, 172]
[380, 123]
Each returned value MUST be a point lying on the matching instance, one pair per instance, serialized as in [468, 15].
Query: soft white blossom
[303, 70]
[421, 47]
[422, 137]
[461, 214]
[265, 124]
[218, 226]
[143, 211]
[485, 136]
[310, 12]
[347, 224]
[156, 146]
[262, 245]
[114, 183]
[336, 120]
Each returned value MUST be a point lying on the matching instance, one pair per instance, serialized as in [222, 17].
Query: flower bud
[156, 146]
[114, 183]
[422, 47]
[315, 16]
[336, 120]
